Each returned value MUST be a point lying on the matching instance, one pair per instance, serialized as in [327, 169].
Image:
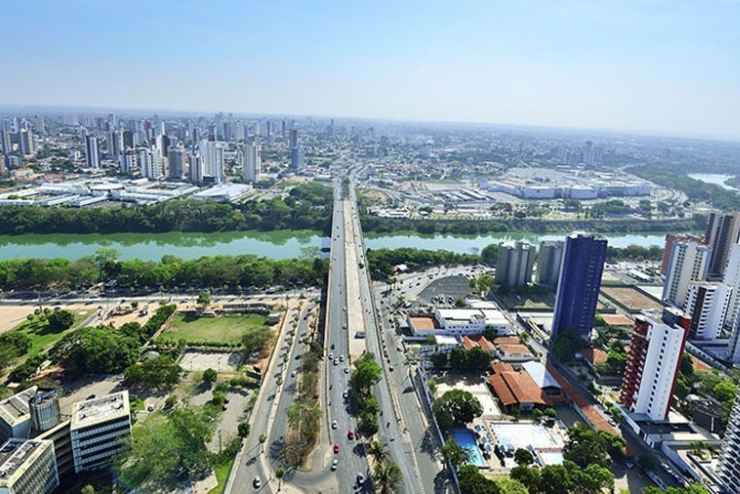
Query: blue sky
[665, 66]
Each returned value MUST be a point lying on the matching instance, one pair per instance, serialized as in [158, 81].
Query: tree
[378, 451]
[690, 489]
[523, 457]
[387, 476]
[87, 489]
[473, 482]
[167, 451]
[456, 407]
[60, 320]
[158, 372]
[367, 373]
[203, 300]
[454, 453]
[209, 377]
[243, 429]
[586, 447]
[96, 350]
[439, 360]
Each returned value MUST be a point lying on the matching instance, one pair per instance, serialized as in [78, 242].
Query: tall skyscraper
[723, 231]
[652, 363]
[548, 262]
[6, 141]
[91, 152]
[578, 285]
[150, 164]
[729, 458]
[707, 304]
[514, 264]
[113, 144]
[689, 261]
[252, 162]
[296, 156]
[212, 161]
[176, 159]
[26, 142]
[127, 162]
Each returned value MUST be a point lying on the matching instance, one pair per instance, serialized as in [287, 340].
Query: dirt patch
[630, 298]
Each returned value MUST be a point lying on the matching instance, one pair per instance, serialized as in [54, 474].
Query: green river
[283, 244]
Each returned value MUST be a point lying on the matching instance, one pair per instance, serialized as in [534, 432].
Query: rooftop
[422, 323]
[98, 410]
[15, 408]
[16, 453]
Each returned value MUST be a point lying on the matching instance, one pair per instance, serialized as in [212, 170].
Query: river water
[284, 244]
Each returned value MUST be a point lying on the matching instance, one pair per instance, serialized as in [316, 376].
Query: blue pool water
[466, 440]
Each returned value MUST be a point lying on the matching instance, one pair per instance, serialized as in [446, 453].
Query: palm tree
[387, 476]
[454, 454]
[377, 450]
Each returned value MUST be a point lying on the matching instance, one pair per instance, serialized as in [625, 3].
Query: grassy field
[42, 340]
[227, 328]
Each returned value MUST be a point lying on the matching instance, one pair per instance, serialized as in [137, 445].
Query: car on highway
[346, 370]
[360, 479]
[257, 483]
[341, 358]
[333, 424]
[336, 449]
[350, 435]
[331, 355]
[336, 361]
[334, 464]
[345, 394]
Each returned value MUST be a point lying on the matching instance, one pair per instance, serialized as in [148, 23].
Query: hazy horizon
[662, 68]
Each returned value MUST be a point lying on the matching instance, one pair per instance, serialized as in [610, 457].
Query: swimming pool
[466, 440]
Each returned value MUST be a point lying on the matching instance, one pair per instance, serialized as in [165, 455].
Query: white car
[334, 464]
[334, 424]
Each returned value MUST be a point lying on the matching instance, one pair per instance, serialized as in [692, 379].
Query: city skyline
[627, 68]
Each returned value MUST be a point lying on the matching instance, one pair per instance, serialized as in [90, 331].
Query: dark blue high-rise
[579, 285]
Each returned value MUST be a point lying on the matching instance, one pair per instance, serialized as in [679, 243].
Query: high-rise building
[252, 162]
[28, 466]
[92, 159]
[514, 264]
[548, 262]
[578, 285]
[150, 164]
[99, 430]
[723, 231]
[707, 304]
[653, 360]
[296, 156]
[26, 142]
[113, 143]
[729, 458]
[6, 141]
[689, 261]
[670, 239]
[732, 279]
[212, 161]
[127, 162]
[176, 160]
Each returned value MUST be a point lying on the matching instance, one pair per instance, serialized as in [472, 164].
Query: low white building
[459, 322]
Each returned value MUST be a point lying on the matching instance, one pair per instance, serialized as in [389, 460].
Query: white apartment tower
[652, 363]
[689, 261]
[211, 161]
[707, 304]
[514, 264]
[252, 162]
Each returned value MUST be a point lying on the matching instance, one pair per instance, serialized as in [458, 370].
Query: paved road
[403, 427]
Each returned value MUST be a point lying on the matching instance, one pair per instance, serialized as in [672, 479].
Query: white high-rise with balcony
[729, 459]
[689, 261]
[707, 304]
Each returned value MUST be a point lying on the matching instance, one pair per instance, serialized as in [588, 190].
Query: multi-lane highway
[353, 325]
